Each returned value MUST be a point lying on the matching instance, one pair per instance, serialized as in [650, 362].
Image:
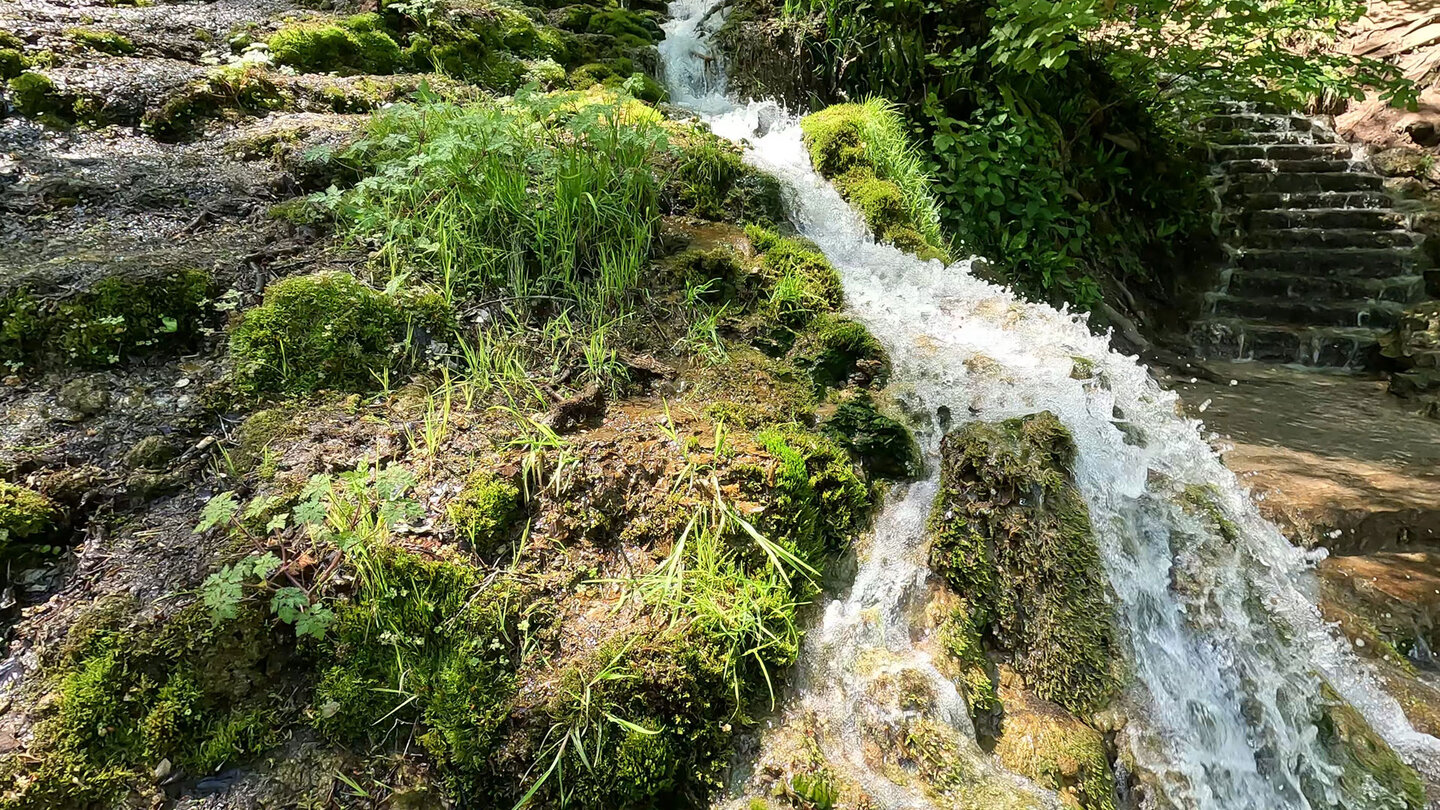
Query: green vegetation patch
[186, 693]
[356, 44]
[330, 330]
[97, 39]
[866, 150]
[485, 511]
[116, 319]
[1013, 538]
[25, 515]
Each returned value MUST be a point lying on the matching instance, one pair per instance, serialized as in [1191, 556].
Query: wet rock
[86, 396]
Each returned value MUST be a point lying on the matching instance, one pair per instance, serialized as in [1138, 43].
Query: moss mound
[25, 515]
[358, 44]
[485, 510]
[329, 330]
[116, 319]
[865, 150]
[1013, 538]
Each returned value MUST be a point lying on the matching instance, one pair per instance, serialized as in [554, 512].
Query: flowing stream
[1228, 656]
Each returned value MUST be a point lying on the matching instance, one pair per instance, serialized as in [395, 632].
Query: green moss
[116, 319]
[243, 88]
[1058, 752]
[882, 445]
[358, 44]
[12, 63]
[865, 149]
[25, 515]
[101, 40]
[1013, 537]
[712, 182]
[835, 349]
[329, 330]
[36, 95]
[182, 690]
[820, 502]
[485, 511]
[1373, 775]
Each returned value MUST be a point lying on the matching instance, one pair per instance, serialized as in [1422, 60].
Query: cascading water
[1228, 656]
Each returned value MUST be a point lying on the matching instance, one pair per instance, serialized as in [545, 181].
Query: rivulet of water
[1228, 658]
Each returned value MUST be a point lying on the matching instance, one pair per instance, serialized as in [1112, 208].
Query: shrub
[329, 330]
[358, 44]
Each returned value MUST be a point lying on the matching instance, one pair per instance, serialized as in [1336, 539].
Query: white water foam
[1228, 654]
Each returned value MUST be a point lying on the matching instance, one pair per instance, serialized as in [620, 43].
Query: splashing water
[1228, 656]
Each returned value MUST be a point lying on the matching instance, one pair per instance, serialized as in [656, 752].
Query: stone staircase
[1321, 264]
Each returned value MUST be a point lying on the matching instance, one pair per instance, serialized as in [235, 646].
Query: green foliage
[118, 318]
[358, 44]
[882, 444]
[181, 690]
[866, 149]
[103, 41]
[1059, 134]
[1013, 538]
[329, 330]
[485, 510]
[25, 515]
[712, 182]
[550, 197]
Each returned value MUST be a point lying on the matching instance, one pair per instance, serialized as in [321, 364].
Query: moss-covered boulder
[330, 330]
[25, 515]
[485, 510]
[358, 44]
[882, 444]
[1041, 741]
[1012, 536]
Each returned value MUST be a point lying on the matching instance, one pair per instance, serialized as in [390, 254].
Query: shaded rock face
[1013, 539]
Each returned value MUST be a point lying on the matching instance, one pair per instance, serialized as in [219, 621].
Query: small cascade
[1321, 263]
[1228, 658]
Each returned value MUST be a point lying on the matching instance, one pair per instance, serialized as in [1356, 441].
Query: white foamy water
[1227, 655]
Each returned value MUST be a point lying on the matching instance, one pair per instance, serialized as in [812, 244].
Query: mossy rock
[329, 330]
[25, 515]
[1373, 775]
[883, 445]
[246, 89]
[357, 44]
[836, 350]
[97, 39]
[186, 690]
[1044, 743]
[1012, 536]
[118, 318]
[485, 511]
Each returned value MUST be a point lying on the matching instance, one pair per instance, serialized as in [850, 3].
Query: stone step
[1364, 262]
[1299, 182]
[1257, 122]
[1239, 137]
[1283, 151]
[1290, 238]
[1273, 166]
[1372, 314]
[1309, 199]
[1308, 287]
[1375, 219]
[1318, 346]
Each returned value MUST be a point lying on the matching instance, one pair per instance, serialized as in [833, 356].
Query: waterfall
[1227, 654]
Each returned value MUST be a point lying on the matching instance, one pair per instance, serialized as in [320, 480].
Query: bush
[329, 330]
